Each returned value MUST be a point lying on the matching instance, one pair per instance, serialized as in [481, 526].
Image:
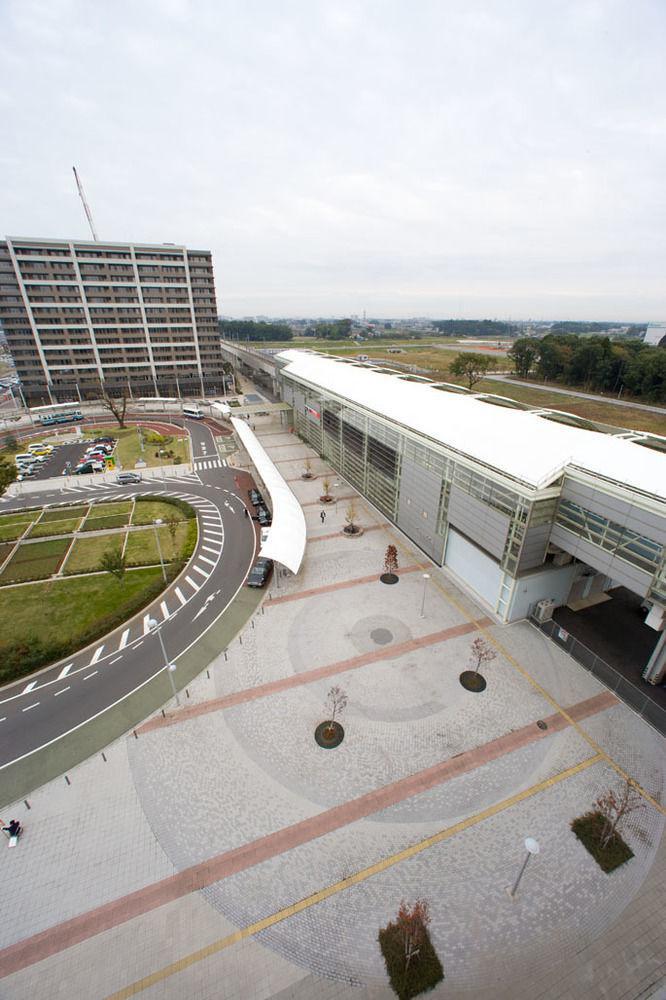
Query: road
[35, 714]
[581, 395]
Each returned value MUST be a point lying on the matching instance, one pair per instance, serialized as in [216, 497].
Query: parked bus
[194, 412]
[57, 413]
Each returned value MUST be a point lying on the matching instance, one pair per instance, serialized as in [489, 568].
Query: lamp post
[156, 523]
[532, 847]
[426, 577]
[153, 625]
[162, 452]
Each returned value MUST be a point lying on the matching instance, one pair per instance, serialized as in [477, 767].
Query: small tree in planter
[114, 562]
[411, 961]
[390, 574]
[330, 734]
[307, 469]
[326, 495]
[351, 514]
[480, 652]
[599, 829]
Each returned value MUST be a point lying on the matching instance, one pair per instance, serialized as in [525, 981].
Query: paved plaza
[221, 853]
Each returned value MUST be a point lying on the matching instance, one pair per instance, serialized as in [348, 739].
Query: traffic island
[329, 735]
[473, 681]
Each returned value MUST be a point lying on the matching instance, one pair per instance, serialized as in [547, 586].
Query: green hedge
[21, 658]
[182, 506]
[425, 969]
[589, 829]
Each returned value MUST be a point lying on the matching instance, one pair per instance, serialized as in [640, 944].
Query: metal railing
[634, 695]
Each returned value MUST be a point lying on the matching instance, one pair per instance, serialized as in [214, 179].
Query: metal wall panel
[418, 505]
[487, 526]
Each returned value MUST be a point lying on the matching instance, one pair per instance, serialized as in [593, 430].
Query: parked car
[104, 440]
[88, 467]
[123, 478]
[265, 532]
[263, 516]
[26, 472]
[256, 498]
[260, 572]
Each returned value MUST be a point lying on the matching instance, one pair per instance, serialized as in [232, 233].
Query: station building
[528, 508]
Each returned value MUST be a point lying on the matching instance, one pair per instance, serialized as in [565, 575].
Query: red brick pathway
[339, 534]
[118, 911]
[315, 591]
[308, 676]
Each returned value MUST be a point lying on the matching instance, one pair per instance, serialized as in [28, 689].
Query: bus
[56, 413]
[194, 412]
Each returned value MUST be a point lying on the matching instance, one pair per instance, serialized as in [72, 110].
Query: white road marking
[3, 719]
[146, 626]
[64, 671]
[61, 691]
[34, 705]
[123, 639]
[91, 675]
[164, 609]
[179, 595]
[202, 572]
[96, 655]
[115, 660]
[191, 582]
[30, 687]
[211, 562]
[208, 548]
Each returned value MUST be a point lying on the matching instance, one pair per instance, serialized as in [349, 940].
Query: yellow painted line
[331, 890]
[542, 691]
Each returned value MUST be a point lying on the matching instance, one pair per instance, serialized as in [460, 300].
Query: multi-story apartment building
[134, 317]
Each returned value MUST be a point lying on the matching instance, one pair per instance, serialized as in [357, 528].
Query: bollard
[26, 803]
[225, 656]
[187, 692]
[67, 780]
[135, 736]
[163, 714]
[103, 756]
[208, 674]
[240, 639]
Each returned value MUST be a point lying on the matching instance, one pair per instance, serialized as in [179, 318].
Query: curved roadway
[35, 714]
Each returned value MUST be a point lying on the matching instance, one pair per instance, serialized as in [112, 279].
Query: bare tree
[307, 469]
[391, 560]
[615, 807]
[481, 652]
[350, 517]
[336, 701]
[412, 922]
[115, 405]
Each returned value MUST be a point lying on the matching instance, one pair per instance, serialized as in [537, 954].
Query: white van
[194, 412]
[24, 459]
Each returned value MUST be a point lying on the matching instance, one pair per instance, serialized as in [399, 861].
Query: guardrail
[68, 484]
[637, 697]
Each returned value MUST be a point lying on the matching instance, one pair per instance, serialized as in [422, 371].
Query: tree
[326, 486]
[8, 473]
[336, 702]
[615, 807]
[412, 922]
[115, 405]
[471, 367]
[172, 527]
[114, 562]
[391, 560]
[480, 653]
[350, 517]
[307, 469]
[523, 354]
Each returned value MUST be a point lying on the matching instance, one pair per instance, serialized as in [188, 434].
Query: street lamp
[156, 523]
[426, 577]
[162, 452]
[154, 626]
[532, 847]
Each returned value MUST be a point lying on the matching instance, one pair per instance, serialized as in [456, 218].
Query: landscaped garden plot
[51, 620]
[4, 552]
[86, 553]
[147, 511]
[108, 515]
[34, 561]
[13, 525]
[56, 513]
[142, 550]
[128, 448]
[61, 526]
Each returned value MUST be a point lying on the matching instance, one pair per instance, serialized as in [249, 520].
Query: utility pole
[85, 206]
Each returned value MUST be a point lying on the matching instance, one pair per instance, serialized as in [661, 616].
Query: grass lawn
[54, 619]
[86, 553]
[63, 526]
[4, 552]
[128, 450]
[34, 561]
[425, 969]
[60, 512]
[142, 550]
[12, 526]
[148, 511]
[108, 515]
[589, 830]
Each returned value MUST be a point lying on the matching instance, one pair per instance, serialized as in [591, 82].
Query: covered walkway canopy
[286, 539]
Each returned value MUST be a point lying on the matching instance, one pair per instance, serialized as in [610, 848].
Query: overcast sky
[448, 158]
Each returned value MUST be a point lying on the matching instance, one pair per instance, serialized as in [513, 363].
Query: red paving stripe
[308, 676]
[316, 503]
[300, 595]
[86, 925]
[339, 534]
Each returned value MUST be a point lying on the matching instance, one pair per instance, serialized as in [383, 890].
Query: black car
[263, 516]
[256, 498]
[260, 572]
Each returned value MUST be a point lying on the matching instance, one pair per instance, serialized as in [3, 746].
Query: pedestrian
[322, 514]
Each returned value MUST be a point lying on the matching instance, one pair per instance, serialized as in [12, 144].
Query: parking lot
[57, 462]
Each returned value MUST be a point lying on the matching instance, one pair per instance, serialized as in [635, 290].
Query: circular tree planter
[473, 681]
[306, 475]
[329, 735]
[326, 498]
[354, 532]
[389, 578]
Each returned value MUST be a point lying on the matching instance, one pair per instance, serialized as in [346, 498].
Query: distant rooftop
[533, 446]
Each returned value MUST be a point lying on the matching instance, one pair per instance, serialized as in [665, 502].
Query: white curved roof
[517, 443]
[286, 538]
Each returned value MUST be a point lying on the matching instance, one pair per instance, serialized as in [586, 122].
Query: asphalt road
[37, 713]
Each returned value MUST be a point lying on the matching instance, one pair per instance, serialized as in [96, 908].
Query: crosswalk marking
[203, 572]
[123, 639]
[209, 548]
[179, 595]
[211, 562]
[195, 586]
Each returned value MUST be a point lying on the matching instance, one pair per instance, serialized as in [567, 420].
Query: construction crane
[85, 206]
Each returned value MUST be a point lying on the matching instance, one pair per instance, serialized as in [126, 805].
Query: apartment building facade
[131, 317]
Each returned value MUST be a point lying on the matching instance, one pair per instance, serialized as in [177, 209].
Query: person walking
[322, 514]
